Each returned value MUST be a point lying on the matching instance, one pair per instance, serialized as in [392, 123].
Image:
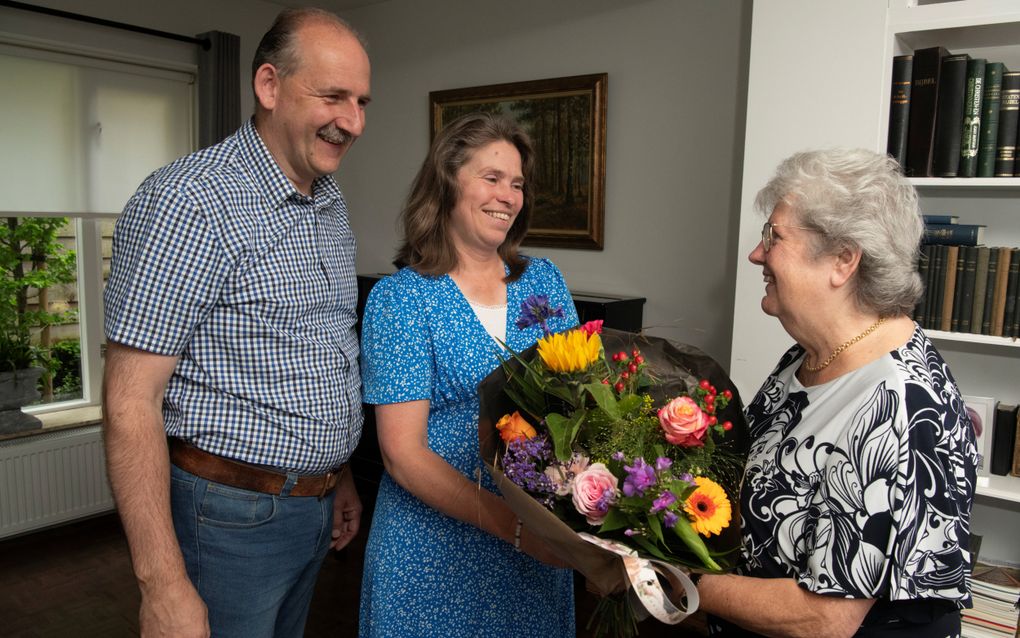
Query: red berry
[624, 375]
[605, 381]
[635, 352]
[616, 357]
[712, 420]
[623, 355]
[704, 385]
[727, 394]
[711, 389]
[727, 426]
[639, 359]
[619, 386]
[710, 399]
[632, 368]
[710, 408]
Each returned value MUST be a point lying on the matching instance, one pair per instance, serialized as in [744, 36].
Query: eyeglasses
[767, 236]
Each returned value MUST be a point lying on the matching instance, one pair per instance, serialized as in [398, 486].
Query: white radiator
[52, 478]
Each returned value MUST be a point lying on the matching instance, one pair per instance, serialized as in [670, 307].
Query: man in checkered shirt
[232, 397]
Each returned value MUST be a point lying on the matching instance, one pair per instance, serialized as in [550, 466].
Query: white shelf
[1003, 488]
[965, 337]
[980, 183]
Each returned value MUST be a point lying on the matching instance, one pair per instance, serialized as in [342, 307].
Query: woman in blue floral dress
[859, 483]
[446, 556]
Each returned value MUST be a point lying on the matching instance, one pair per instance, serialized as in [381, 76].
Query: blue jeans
[253, 557]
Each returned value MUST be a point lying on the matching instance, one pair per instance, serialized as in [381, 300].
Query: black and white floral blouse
[862, 488]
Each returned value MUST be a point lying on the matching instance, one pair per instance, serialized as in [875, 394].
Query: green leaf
[685, 531]
[614, 520]
[604, 398]
[656, 528]
[630, 403]
[564, 431]
[649, 547]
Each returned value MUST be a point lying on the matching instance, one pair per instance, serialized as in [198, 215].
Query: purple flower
[520, 464]
[536, 311]
[618, 456]
[670, 518]
[608, 498]
[665, 499]
[640, 477]
[662, 463]
[687, 477]
[629, 532]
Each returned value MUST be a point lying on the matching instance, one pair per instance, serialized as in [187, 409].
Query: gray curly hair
[856, 199]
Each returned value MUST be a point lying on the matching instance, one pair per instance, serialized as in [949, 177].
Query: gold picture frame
[566, 118]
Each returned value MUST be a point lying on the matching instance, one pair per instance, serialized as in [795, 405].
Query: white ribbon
[643, 574]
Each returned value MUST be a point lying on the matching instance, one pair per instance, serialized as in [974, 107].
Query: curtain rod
[202, 42]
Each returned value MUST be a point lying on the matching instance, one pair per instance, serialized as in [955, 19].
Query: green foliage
[66, 356]
[31, 260]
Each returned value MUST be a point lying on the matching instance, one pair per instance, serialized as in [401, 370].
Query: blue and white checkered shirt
[219, 260]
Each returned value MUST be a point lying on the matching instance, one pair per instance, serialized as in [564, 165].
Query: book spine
[952, 262]
[977, 314]
[940, 219]
[990, 282]
[923, 265]
[971, 137]
[999, 299]
[939, 286]
[899, 108]
[924, 90]
[1009, 305]
[1015, 471]
[1005, 146]
[969, 260]
[990, 119]
[959, 234]
[1015, 323]
[949, 115]
[1003, 439]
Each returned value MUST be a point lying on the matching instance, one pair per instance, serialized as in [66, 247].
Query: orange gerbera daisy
[708, 507]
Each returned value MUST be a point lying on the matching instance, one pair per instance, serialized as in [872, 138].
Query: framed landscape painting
[566, 119]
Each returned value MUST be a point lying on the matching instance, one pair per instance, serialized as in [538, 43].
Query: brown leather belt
[247, 477]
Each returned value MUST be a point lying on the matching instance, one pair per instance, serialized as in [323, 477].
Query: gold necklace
[838, 351]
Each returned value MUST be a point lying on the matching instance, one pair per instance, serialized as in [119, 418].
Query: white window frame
[89, 240]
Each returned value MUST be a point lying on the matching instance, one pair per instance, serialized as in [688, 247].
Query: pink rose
[592, 327]
[684, 422]
[594, 491]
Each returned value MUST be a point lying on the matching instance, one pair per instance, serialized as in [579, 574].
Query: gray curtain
[219, 95]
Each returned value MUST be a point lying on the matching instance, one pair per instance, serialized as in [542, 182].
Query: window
[79, 130]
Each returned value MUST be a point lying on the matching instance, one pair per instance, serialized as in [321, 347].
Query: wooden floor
[76, 581]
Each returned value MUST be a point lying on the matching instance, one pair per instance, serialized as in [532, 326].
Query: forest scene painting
[565, 118]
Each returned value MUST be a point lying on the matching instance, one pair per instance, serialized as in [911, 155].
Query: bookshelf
[786, 113]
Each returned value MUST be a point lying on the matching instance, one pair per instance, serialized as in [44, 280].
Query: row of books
[953, 115]
[995, 590]
[971, 289]
[1004, 451]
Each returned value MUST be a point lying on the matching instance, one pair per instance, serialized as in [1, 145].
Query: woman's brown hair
[428, 246]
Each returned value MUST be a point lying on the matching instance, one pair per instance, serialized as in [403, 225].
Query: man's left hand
[346, 512]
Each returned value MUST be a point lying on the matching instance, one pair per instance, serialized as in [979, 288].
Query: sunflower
[708, 507]
[572, 351]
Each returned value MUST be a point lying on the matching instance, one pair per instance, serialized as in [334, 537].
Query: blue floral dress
[862, 487]
[426, 574]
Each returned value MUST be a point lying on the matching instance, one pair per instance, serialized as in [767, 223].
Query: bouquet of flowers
[627, 465]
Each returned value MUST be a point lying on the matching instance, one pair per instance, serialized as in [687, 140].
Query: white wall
[677, 78]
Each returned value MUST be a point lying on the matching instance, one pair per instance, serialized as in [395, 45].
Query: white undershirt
[493, 319]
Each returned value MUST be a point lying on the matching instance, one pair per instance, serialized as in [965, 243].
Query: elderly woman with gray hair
[858, 488]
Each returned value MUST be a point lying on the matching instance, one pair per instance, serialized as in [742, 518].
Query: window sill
[61, 420]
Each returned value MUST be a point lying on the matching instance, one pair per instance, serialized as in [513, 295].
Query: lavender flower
[640, 477]
[665, 499]
[608, 498]
[520, 464]
[629, 532]
[670, 518]
[618, 456]
[662, 463]
[536, 311]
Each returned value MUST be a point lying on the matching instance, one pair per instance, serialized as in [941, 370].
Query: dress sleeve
[167, 273]
[396, 344]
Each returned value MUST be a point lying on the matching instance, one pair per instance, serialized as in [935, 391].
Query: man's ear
[267, 86]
